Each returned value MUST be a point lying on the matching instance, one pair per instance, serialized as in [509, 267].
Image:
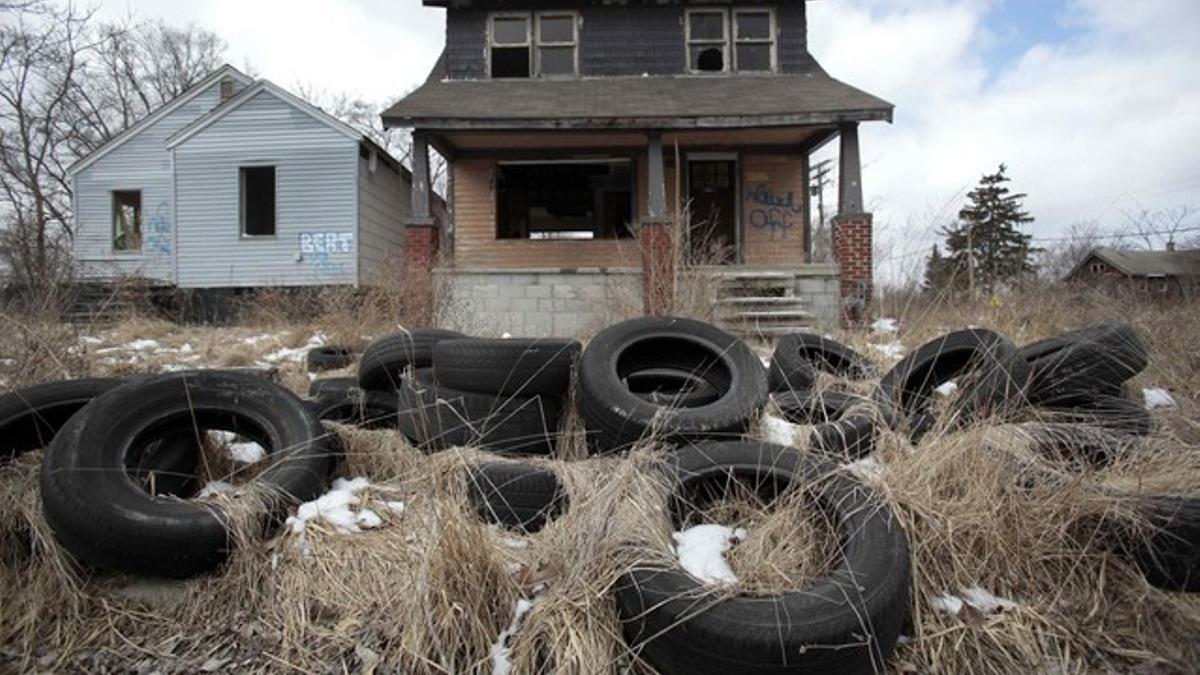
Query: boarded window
[257, 200]
[127, 220]
[564, 200]
[510, 46]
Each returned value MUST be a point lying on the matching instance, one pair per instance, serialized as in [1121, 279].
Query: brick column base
[420, 253]
[655, 238]
[852, 249]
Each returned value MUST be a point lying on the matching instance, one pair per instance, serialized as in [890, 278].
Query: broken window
[754, 40]
[257, 200]
[127, 220]
[510, 46]
[564, 200]
[707, 40]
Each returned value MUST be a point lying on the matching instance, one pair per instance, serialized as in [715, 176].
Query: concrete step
[748, 302]
[774, 316]
[769, 331]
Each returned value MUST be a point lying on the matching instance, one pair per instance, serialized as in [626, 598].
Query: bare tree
[1155, 229]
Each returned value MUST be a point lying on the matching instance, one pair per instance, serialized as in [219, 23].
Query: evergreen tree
[988, 231]
[940, 272]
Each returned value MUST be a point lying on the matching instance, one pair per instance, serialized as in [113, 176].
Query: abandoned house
[238, 184]
[1169, 274]
[578, 133]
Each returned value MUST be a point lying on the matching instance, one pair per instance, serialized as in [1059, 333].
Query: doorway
[712, 189]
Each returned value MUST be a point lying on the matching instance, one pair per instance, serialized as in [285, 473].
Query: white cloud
[1100, 125]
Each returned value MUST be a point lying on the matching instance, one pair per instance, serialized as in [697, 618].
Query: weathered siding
[141, 163]
[383, 203]
[618, 40]
[772, 209]
[316, 193]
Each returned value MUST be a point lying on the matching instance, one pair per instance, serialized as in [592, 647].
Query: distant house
[1168, 274]
[577, 130]
[234, 184]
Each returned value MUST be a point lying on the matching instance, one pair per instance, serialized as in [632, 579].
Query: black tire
[672, 388]
[1093, 361]
[168, 465]
[385, 359]
[441, 418]
[998, 377]
[320, 359]
[366, 409]
[799, 356]
[1169, 554]
[617, 417]
[1112, 413]
[1079, 444]
[671, 622]
[816, 407]
[508, 367]
[846, 427]
[332, 385]
[103, 518]
[30, 417]
[517, 496]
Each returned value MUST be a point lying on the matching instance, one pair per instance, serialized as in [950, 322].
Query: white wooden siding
[141, 163]
[383, 204]
[316, 192]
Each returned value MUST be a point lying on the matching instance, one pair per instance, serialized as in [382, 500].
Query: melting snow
[701, 550]
[866, 468]
[500, 649]
[337, 508]
[247, 452]
[1158, 398]
[91, 340]
[778, 430]
[885, 326]
[143, 345]
[948, 388]
[893, 349]
[297, 354]
[215, 487]
[976, 597]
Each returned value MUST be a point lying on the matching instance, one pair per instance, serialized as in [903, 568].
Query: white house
[236, 184]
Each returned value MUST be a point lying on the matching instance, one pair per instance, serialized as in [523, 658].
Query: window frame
[537, 43]
[730, 40]
[242, 200]
[772, 39]
[114, 212]
[613, 159]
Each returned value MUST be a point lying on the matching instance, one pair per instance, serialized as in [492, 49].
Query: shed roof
[1148, 263]
[669, 102]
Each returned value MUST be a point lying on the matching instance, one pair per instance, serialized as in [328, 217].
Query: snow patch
[216, 487]
[341, 508]
[500, 649]
[701, 551]
[892, 350]
[778, 430]
[143, 345]
[1157, 397]
[867, 468]
[91, 340]
[247, 452]
[885, 326]
[947, 389]
[296, 355]
[976, 598]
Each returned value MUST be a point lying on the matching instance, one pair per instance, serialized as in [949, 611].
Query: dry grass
[430, 590]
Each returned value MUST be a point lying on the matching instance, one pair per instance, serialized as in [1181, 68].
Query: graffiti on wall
[157, 237]
[772, 210]
[320, 249]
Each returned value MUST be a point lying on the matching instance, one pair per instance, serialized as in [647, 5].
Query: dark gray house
[584, 136]
[1161, 274]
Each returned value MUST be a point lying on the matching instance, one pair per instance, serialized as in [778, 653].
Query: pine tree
[987, 231]
[941, 273]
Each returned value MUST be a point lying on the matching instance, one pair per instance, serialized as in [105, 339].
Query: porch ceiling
[482, 142]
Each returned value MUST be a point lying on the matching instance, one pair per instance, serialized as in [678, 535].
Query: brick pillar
[420, 253]
[852, 249]
[658, 266]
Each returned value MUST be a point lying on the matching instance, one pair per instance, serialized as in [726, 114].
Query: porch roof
[676, 102]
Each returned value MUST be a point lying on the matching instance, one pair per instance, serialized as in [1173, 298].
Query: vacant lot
[429, 588]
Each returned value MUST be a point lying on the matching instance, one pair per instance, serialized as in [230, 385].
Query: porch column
[656, 236]
[421, 236]
[852, 234]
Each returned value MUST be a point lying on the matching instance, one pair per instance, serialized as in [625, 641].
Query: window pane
[510, 30]
[708, 25]
[753, 57]
[557, 60]
[708, 58]
[127, 220]
[510, 62]
[258, 200]
[754, 25]
[557, 29]
[564, 201]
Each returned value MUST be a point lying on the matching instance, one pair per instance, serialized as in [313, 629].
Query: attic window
[556, 44]
[754, 40]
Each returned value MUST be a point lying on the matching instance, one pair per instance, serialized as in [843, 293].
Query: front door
[712, 190]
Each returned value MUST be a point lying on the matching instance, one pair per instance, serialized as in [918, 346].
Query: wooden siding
[773, 199]
[140, 163]
[316, 192]
[383, 204]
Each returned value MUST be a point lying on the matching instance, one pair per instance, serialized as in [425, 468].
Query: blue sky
[1018, 25]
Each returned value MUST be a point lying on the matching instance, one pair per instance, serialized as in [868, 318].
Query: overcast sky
[1093, 104]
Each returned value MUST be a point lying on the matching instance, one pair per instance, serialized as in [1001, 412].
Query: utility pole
[971, 261]
[818, 179]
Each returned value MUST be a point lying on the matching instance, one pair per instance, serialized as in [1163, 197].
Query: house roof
[1147, 263]
[470, 3]
[666, 102]
[172, 105]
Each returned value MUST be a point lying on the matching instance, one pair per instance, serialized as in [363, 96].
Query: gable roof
[666, 102]
[250, 92]
[164, 110]
[1147, 263]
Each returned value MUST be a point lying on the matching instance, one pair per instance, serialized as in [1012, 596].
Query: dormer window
[738, 40]
[526, 44]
